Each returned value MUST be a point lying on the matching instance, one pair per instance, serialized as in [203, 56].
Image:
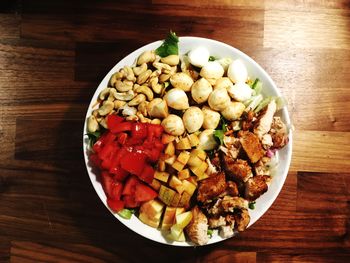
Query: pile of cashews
[185, 94]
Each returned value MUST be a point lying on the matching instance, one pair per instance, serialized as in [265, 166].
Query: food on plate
[185, 142]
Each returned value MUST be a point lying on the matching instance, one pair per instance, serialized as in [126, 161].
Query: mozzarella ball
[211, 118]
[237, 71]
[199, 56]
[193, 119]
[207, 140]
[177, 99]
[219, 99]
[182, 81]
[240, 91]
[201, 90]
[233, 111]
[173, 125]
[212, 71]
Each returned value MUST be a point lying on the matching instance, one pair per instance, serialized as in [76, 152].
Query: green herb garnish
[212, 58]
[169, 46]
[251, 205]
[93, 136]
[220, 133]
[126, 213]
[210, 233]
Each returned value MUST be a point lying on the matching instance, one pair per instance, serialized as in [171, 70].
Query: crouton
[255, 187]
[211, 187]
[251, 145]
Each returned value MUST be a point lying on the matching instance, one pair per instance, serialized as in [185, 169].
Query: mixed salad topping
[186, 142]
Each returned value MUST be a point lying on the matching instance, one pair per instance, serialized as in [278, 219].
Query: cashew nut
[106, 108]
[95, 113]
[142, 118]
[129, 73]
[132, 118]
[146, 57]
[144, 76]
[112, 93]
[155, 73]
[105, 92]
[164, 77]
[142, 108]
[103, 123]
[156, 121]
[123, 86]
[162, 67]
[126, 96]
[92, 124]
[145, 90]
[118, 104]
[140, 69]
[171, 60]
[115, 77]
[156, 87]
[137, 100]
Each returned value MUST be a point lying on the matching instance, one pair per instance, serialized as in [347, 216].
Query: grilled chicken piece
[211, 187]
[216, 162]
[251, 145]
[279, 133]
[197, 229]
[261, 167]
[232, 189]
[229, 203]
[215, 222]
[265, 119]
[214, 209]
[226, 231]
[241, 170]
[242, 219]
[255, 187]
[248, 120]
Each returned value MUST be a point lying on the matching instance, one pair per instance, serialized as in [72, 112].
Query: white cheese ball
[199, 56]
[211, 118]
[240, 91]
[193, 119]
[219, 99]
[182, 81]
[177, 99]
[237, 71]
[233, 111]
[207, 140]
[201, 90]
[212, 71]
[173, 125]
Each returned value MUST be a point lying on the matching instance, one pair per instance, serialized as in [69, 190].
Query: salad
[185, 142]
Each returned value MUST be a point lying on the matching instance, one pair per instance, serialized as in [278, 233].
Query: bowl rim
[247, 60]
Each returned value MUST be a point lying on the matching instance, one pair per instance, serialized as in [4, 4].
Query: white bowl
[219, 50]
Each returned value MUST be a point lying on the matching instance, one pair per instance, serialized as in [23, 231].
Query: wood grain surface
[53, 55]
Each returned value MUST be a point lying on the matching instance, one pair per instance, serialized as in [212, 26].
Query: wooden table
[53, 55]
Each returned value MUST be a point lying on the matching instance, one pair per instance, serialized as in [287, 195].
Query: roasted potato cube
[185, 200]
[183, 157]
[161, 165]
[161, 176]
[176, 184]
[170, 149]
[200, 153]
[202, 177]
[167, 138]
[155, 184]
[199, 170]
[184, 174]
[176, 200]
[183, 144]
[166, 194]
[196, 157]
[188, 187]
[178, 166]
[168, 217]
[193, 180]
[170, 160]
[194, 140]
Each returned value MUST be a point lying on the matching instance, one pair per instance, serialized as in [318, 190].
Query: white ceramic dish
[219, 50]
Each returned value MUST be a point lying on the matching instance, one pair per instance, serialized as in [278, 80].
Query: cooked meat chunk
[279, 133]
[233, 146]
[214, 209]
[279, 140]
[216, 162]
[215, 222]
[211, 168]
[265, 119]
[232, 189]
[242, 219]
[261, 167]
[226, 231]
[248, 120]
[266, 141]
[251, 145]
[197, 229]
[255, 187]
[230, 220]
[229, 203]
[241, 170]
[211, 187]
